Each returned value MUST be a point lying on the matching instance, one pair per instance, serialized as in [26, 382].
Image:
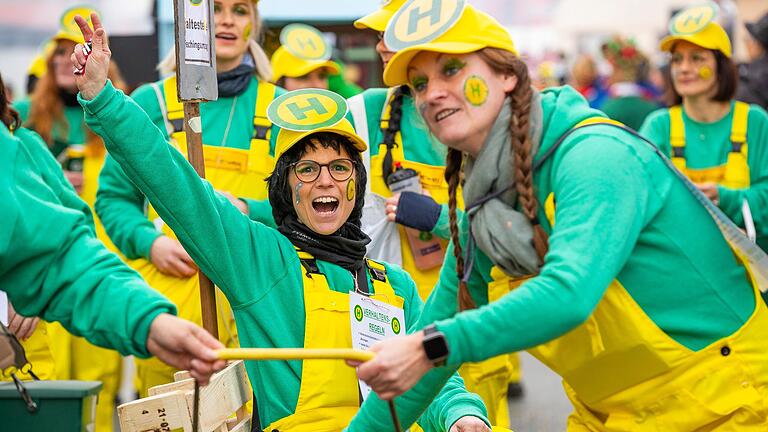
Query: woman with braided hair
[399, 140]
[581, 243]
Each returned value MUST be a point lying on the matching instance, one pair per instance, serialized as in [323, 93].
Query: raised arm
[206, 223]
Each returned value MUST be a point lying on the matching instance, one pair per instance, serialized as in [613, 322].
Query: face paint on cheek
[247, 31]
[351, 190]
[296, 190]
[476, 90]
[705, 72]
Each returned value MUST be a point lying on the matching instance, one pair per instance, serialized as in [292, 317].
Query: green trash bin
[62, 406]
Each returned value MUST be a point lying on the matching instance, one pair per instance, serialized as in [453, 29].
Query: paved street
[544, 407]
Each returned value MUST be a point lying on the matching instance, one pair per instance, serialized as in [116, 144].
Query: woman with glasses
[290, 286]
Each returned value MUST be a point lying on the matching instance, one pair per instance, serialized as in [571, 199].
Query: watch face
[435, 346]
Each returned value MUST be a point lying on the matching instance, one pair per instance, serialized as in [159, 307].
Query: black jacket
[753, 82]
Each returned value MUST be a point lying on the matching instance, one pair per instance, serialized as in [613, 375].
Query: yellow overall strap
[736, 167]
[262, 127]
[677, 137]
[174, 109]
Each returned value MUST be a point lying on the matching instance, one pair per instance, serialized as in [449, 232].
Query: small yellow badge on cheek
[247, 31]
[351, 190]
[475, 90]
[705, 72]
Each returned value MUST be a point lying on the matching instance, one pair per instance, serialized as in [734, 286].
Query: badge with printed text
[692, 19]
[421, 21]
[307, 109]
[305, 42]
[372, 321]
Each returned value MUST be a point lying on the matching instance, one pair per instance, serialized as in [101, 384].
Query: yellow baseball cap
[68, 28]
[447, 26]
[378, 20]
[303, 50]
[697, 25]
[304, 112]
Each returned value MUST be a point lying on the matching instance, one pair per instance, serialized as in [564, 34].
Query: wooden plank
[243, 426]
[167, 412]
[182, 375]
[227, 392]
[182, 386]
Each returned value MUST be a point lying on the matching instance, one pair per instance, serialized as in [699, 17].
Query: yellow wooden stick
[294, 354]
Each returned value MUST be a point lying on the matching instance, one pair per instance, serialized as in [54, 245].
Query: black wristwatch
[435, 345]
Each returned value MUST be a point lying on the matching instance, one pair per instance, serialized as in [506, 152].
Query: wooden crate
[169, 406]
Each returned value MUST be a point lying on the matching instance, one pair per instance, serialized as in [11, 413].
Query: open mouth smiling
[442, 115]
[325, 205]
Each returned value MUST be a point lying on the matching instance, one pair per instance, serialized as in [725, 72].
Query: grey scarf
[501, 232]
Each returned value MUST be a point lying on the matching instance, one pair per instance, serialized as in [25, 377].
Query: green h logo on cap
[305, 42]
[307, 109]
[416, 15]
[421, 21]
[313, 105]
[693, 19]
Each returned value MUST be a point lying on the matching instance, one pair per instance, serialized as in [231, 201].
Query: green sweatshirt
[261, 277]
[707, 145]
[52, 265]
[227, 122]
[71, 131]
[621, 214]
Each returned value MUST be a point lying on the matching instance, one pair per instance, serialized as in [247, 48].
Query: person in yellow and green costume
[239, 145]
[303, 60]
[52, 266]
[290, 286]
[398, 138]
[53, 112]
[718, 142]
[619, 275]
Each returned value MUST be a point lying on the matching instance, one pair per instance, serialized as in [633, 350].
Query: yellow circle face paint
[705, 72]
[351, 190]
[475, 90]
[247, 31]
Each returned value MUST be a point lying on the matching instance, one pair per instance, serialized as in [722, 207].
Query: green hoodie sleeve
[119, 203]
[656, 129]
[52, 266]
[120, 206]
[571, 283]
[205, 222]
[757, 193]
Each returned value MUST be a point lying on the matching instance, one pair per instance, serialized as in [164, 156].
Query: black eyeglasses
[309, 170]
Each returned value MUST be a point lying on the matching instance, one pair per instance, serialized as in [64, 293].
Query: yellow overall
[621, 372]
[238, 171]
[735, 173]
[329, 395]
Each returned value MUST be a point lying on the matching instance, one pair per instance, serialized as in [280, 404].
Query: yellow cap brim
[713, 37]
[396, 72]
[64, 35]
[376, 21]
[285, 64]
[288, 138]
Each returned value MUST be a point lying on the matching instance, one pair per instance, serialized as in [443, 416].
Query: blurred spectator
[629, 99]
[753, 80]
[586, 79]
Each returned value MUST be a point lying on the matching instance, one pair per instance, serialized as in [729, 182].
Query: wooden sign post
[196, 82]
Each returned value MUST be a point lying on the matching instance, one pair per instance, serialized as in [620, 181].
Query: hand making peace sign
[95, 64]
